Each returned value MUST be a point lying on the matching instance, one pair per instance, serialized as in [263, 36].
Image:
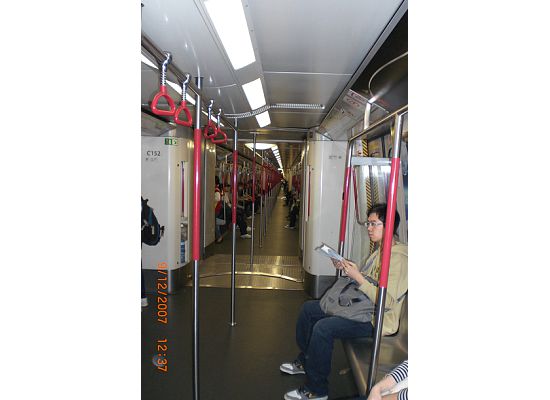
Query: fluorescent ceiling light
[259, 146]
[148, 62]
[230, 23]
[254, 94]
[263, 119]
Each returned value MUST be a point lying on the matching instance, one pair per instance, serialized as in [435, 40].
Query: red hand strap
[219, 141]
[163, 93]
[183, 107]
[210, 127]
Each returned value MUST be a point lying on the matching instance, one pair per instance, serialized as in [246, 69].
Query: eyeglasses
[373, 224]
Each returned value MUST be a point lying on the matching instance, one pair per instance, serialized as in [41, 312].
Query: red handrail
[163, 93]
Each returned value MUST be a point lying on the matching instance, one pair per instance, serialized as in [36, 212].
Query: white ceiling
[306, 52]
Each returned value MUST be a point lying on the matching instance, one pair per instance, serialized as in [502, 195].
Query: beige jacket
[397, 285]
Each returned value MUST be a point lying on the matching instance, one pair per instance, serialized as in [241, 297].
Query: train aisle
[240, 362]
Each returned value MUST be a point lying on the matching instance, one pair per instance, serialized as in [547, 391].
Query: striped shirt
[399, 373]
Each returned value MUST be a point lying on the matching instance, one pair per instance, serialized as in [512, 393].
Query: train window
[370, 185]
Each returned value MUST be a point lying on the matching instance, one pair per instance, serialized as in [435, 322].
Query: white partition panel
[164, 160]
[324, 177]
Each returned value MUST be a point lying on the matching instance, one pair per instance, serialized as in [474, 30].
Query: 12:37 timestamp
[161, 356]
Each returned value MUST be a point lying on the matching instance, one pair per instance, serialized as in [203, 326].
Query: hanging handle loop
[210, 129]
[219, 131]
[163, 92]
[183, 106]
[219, 141]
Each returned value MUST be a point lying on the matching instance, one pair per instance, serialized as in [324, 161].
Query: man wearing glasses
[316, 329]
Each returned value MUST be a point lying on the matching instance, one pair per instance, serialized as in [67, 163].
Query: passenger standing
[316, 329]
[294, 210]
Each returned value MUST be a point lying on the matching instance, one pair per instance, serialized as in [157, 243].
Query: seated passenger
[218, 211]
[241, 221]
[316, 328]
[394, 386]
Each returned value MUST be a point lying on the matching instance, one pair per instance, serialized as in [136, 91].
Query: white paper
[329, 252]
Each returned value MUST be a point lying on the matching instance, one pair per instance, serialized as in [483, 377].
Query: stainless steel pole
[386, 251]
[196, 238]
[262, 202]
[234, 219]
[253, 202]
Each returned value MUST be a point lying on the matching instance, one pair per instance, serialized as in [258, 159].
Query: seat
[393, 351]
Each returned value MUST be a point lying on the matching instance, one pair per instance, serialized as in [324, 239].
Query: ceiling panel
[317, 35]
[295, 119]
[304, 88]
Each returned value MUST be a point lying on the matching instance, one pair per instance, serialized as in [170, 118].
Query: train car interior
[252, 114]
[277, 225]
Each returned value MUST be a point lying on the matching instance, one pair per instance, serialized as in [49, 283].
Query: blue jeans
[315, 334]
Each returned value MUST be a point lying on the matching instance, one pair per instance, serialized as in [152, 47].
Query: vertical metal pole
[267, 200]
[264, 195]
[196, 237]
[386, 251]
[234, 220]
[253, 201]
[262, 202]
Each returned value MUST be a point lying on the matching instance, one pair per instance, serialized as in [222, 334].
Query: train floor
[240, 362]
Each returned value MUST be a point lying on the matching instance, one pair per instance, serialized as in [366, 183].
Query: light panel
[230, 23]
[263, 119]
[254, 92]
[259, 146]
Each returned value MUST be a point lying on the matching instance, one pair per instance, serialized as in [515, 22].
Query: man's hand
[337, 264]
[351, 269]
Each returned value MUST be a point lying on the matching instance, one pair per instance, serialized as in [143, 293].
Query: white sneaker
[144, 302]
[303, 394]
[246, 236]
[292, 368]
[248, 229]
[290, 227]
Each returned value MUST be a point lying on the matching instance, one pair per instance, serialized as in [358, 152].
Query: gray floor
[240, 362]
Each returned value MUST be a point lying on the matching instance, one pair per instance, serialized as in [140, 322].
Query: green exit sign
[169, 141]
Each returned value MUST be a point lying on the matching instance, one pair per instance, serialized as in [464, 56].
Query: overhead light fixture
[230, 23]
[263, 119]
[259, 146]
[254, 92]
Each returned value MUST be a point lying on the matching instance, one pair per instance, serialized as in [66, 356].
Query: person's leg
[242, 224]
[217, 231]
[309, 314]
[144, 302]
[321, 343]
[292, 222]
